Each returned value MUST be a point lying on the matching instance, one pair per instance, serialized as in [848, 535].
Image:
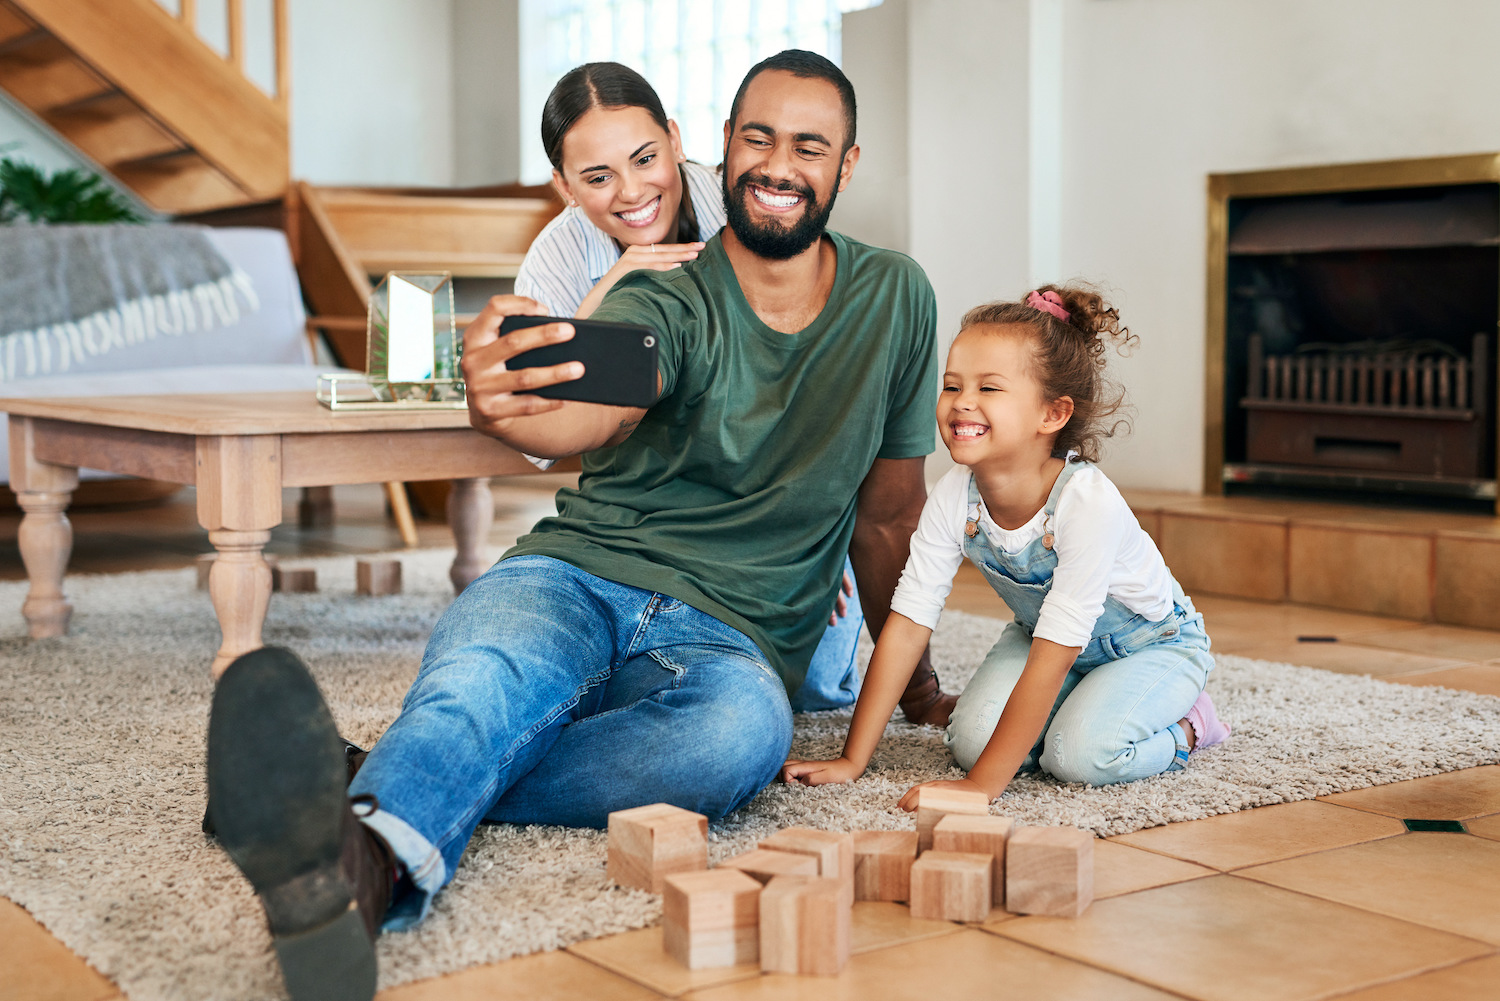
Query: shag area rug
[102, 787]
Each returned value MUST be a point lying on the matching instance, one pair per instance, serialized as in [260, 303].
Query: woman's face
[621, 169]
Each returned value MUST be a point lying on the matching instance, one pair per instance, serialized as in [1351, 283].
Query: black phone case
[619, 361]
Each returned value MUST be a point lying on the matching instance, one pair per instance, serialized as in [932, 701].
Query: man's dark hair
[800, 62]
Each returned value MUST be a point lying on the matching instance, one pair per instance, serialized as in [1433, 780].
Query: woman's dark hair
[1069, 359]
[607, 85]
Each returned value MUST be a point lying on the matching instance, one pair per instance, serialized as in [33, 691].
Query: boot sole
[276, 774]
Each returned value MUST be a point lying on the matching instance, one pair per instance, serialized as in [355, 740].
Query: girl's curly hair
[1069, 359]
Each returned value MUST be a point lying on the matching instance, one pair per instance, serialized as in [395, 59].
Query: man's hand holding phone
[498, 396]
[502, 397]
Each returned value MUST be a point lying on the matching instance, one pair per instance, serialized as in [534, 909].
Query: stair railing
[187, 13]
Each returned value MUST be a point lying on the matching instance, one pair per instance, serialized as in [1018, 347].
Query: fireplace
[1352, 317]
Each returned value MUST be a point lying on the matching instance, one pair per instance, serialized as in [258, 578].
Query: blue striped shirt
[571, 254]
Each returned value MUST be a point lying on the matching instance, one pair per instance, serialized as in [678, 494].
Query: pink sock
[1210, 730]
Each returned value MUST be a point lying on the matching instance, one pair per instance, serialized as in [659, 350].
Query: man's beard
[770, 239]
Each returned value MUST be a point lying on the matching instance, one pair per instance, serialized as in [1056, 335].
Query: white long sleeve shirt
[1102, 551]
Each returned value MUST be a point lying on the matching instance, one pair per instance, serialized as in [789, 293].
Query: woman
[635, 201]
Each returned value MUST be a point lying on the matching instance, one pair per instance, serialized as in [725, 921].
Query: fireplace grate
[1397, 408]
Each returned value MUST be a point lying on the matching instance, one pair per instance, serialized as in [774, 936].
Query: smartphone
[619, 361]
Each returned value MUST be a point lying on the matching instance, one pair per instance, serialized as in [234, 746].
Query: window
[694, 52]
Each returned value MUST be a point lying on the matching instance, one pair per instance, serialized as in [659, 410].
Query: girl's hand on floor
[909, 801]
[817, 773]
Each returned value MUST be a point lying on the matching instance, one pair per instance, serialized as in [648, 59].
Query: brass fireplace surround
[1471, 169]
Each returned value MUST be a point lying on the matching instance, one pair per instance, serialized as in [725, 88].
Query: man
[639, 646]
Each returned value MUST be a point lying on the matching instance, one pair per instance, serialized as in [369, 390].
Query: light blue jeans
[1110, 722]
[550, 696]
[832, 680]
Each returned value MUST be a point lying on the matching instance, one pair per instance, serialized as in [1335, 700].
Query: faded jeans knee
[1077, 757]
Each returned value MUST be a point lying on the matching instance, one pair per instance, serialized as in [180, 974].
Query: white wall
[875, 207]
[372, 91]
[486, 92]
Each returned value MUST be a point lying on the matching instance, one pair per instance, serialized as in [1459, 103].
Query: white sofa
[264, 348]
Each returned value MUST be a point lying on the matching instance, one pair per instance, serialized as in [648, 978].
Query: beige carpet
[101, 778]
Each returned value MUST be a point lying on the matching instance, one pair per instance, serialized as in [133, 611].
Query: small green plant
[27, 193]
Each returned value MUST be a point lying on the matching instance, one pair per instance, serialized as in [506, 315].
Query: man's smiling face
[784, 163]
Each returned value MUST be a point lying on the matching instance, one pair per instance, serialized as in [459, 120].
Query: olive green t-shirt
[736, 493]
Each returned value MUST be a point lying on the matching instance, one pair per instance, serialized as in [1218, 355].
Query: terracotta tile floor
[1319, 899]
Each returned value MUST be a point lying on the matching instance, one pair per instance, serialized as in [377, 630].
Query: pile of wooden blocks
[787, 904]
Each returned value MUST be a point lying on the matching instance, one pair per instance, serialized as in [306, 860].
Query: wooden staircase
[138, 91]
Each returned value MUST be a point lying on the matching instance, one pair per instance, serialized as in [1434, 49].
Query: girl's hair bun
[1071, 326]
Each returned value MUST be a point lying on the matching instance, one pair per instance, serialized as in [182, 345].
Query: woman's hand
[841, 603]
[817, 773]
[638, 257]
[909, 801]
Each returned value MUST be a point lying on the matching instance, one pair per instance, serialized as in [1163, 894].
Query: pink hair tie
[1048, 302]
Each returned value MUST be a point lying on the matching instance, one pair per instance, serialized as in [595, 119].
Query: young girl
[1100, 677]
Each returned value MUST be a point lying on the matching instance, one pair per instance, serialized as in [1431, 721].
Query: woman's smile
[643, 216]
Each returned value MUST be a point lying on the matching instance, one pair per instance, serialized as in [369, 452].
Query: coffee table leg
[46, 542]
[240, 586]
[471, 512]
[45, 537]
[239, 502]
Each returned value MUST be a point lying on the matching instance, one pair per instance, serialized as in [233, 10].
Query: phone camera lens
[649, 341]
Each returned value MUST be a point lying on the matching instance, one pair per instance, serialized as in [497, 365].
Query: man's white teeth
[775, 201]
[643, 213]
[969, 430]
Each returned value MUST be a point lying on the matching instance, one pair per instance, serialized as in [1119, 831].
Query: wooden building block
[1049, 870]
[834, 851]
[952, 886]
[377, 577]
[294, 580]
[711, 918]
[986, 835]
[805, 926]
[764, 864]
[882, 864]
[649, 843]
[936, 802]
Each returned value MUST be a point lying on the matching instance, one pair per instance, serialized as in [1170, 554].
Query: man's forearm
[570, 430]
[878, 553]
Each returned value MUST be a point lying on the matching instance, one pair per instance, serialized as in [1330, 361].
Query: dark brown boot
[924, 702]
[354, 757]
[369, 866]
[277, 780]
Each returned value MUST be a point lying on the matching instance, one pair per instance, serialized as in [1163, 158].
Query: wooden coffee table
[239, 450]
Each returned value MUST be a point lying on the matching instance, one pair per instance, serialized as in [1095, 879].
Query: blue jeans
[832, 681]
[1110, 721]
[550, 696]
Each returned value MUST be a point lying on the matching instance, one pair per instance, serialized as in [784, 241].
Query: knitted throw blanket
[69, 294]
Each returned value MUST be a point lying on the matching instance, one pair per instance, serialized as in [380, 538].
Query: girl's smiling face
[991, 410]
[621, 169]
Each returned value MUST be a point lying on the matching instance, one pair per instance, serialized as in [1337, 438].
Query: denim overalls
[1115, 718]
